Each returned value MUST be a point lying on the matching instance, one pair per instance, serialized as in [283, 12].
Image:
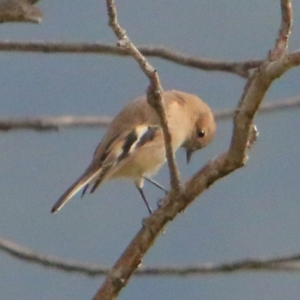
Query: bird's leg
[155, 183]
[144, 199]
[84, 190]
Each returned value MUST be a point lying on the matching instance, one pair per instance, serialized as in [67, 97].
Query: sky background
[255, 212]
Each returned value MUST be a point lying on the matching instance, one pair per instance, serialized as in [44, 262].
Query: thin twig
[284, 32]
[239, 68]
[154, 91]
[52, 123]
[268, 107]
[288, 263]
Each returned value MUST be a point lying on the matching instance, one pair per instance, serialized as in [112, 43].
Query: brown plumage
[133, 146]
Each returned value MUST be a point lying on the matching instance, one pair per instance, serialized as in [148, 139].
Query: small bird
[133, 146]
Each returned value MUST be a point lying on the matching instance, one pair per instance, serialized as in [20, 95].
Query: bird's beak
[189, 154]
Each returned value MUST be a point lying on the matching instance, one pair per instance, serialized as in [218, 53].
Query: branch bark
[19, 11]
[52, 123]
[239, 68]
[154, 91]
[281, 45]
[287, 263]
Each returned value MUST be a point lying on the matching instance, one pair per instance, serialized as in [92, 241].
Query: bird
[133, 146]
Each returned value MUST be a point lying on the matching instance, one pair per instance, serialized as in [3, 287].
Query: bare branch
[19, 11]
[28, 255]
[154, 90]
[239, 68]
[268, 107]
[294, 57]
[288, 263]
[284, 31]
[254, 92]
[51, 123]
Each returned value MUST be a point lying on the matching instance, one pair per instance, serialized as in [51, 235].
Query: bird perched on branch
[133, 146]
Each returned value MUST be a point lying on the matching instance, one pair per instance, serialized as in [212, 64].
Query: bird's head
[202, 133]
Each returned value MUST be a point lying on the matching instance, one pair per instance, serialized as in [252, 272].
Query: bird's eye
[201, 133]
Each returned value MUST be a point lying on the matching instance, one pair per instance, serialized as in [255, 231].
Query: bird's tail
[88, 176]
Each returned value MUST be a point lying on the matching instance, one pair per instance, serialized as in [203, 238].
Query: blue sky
[251, 213]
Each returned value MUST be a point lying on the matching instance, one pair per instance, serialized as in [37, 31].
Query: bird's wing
[116, 153]
[123, 148]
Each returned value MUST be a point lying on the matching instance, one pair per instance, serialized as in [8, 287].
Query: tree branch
[154, 91]
[284, 31]
[287, 263]
[19, 11]
[52, 123]
[239, 68]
